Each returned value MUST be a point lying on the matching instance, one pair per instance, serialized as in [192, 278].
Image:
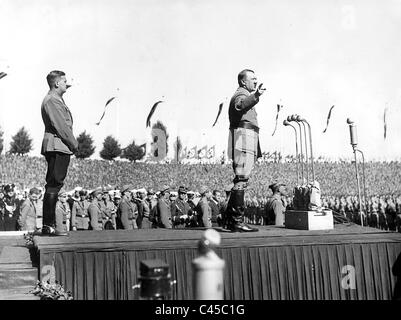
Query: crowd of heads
[338, 186]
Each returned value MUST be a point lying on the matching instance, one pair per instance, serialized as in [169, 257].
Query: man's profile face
[250, 81]
[62, 84]
[217, 196]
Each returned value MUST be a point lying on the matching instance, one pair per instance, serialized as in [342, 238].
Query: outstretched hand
[259, 91]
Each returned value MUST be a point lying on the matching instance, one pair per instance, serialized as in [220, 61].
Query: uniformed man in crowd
[30, 210]
[164, 209]
[180, 209]
[109, 210]
[143, 221]
[11, 209]
[151, 200]
[79, 213]
[127, 211]
[63, 214]
[95, 210]
[203, 207]
[216, 206]
[193, 220]
[275, 208]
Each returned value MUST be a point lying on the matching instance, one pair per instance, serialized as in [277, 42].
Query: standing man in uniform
[58, 145]
[180, 209]
[79, 213]
[243, 145]
[203, 207]
[127, 212]
[95, 210]
[275, 209]
[164, 209]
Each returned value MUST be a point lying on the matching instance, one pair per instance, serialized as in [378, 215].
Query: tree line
[22, 144]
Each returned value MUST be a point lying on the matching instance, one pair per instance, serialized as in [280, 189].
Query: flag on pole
[279, 107]
[385, 123]
[328, 118]
[202, 152]
[211, 153]
[104, 111]
[192, 153]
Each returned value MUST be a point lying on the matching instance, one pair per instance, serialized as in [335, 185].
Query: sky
[309, 55]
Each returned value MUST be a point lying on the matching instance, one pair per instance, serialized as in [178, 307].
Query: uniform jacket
[63, 216]
[144, 218]
[58, 122]
[127, 214]
[164, 212]
[242, 107]
[274, 210]
[96, 215]
[80, 215]
[204, 212]
[179, 208]
[29, 212]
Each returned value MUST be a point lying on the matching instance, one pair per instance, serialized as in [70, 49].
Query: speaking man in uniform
[243, 145]
[58, 145]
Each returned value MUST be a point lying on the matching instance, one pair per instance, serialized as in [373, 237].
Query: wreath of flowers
[48, 291]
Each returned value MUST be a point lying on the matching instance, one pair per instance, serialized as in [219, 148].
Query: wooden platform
[273, 263]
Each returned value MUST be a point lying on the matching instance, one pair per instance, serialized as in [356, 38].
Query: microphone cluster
[303, 128]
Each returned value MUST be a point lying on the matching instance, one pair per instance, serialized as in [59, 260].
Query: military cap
[78, 189]
[117, 195]
[126, 188]
[97, 191]
[62, 193]
[142, 190]
[82, 192]
[165, 189]
[34, 190]
[182, 189]
[151, 192]
[174, 193]
[275, 186]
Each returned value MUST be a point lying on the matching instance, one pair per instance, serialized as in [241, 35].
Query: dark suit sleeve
[244, 103]
[124, 209]
[164, 214]
[93, 213]
[54, 109]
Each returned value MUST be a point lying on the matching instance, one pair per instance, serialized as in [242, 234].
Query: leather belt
[246, 125]
[81, 216]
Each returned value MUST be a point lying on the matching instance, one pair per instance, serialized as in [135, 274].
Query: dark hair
[242, 75]
[53, 76]
[215, 191]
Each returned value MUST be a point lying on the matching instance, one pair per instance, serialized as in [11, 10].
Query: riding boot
[49, 215]
[235, 212]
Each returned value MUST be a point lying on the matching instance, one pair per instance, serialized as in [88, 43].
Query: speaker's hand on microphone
[259, 91]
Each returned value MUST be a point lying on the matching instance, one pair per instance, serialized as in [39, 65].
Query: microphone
[352, 132]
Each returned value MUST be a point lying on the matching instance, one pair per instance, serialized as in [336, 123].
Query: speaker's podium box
[309, 220]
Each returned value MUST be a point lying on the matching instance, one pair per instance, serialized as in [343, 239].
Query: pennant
[202, 153]
[151, 113]
[328, 118]
[218, 113]
[211, 153]
[385, 123]
[192, 153]
[2, 74]
[104, 112]
[279, 107]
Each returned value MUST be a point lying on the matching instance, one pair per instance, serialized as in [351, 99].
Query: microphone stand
[286, 123]
[301, 156]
